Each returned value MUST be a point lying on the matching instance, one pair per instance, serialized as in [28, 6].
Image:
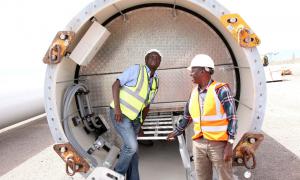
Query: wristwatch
[230, 141]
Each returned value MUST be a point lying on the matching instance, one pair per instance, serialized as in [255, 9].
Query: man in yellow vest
[133, 91]
[211, 108]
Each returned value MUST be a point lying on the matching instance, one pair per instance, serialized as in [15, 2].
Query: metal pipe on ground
[19, 107]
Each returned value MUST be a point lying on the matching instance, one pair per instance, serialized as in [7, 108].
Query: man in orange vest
[211, 108]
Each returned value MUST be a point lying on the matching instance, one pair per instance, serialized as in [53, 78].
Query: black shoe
[146, 142]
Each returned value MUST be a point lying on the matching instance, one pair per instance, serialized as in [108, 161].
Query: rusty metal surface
[179, 39]
[71, 158]
[245, 150]
[59, 47]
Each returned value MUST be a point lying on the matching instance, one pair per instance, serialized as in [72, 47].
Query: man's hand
[228, 152]
[116, 96]
[118, 115]
[171, 136]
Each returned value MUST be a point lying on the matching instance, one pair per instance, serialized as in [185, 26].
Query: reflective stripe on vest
[132, 99]
[153, 90]
[212, 123]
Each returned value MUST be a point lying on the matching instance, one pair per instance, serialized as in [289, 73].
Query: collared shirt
[129, 77]
[226, 100]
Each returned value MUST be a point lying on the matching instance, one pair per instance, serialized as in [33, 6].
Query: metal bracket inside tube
[174, 9]
[124, 15]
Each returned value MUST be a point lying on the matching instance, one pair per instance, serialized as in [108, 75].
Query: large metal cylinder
[21, 106]
[179, 31]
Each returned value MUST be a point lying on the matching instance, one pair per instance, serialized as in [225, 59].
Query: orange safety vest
[212, 123]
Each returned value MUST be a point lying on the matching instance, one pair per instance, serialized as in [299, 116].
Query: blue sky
[284, 55]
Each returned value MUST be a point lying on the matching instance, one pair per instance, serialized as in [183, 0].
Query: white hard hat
[153, 50]
[201, 60]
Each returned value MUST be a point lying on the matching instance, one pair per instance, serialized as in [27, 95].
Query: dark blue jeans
[128, 161]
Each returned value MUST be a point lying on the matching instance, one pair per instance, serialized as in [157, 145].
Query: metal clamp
[247, 155]
[125, 18]
[55, 53]
[59, 47]
[74, 163]
[240, 30]
[245, 150]
[174, 14]
[246, 38]
[70, 163]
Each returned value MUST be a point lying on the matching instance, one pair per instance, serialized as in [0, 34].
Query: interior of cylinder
[179, 38]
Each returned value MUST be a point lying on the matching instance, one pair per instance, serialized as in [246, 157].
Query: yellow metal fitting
[240, 30]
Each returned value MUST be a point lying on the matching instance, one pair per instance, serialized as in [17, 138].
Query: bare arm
[116, 96]
[144, 115]
[145, 112]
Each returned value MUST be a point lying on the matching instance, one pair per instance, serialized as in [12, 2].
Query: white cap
[201, 60]
[153, 50]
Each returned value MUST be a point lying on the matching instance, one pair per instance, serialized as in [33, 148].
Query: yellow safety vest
[134, 99]
[212, 123]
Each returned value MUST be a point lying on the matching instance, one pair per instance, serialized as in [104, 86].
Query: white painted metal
[158, 119]
[165, 117]
[103, 173]
[20, 107]
[157, 123]
[185, 156]
[157, 127]
[157, 132]
[89, 44]
[273, 73]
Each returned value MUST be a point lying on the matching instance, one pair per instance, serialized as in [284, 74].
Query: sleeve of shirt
[228, 103]
[129, 76]
[183, 123]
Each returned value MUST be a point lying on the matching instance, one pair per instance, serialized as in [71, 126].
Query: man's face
[153, 60]
[197, 74]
